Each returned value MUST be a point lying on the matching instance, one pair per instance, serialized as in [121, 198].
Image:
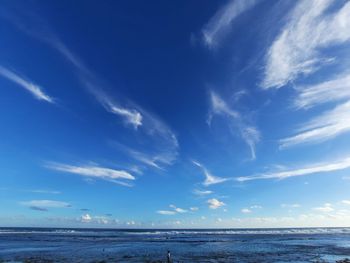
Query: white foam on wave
[286, 231]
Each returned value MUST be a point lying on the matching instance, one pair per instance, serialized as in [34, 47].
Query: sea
[185, 245]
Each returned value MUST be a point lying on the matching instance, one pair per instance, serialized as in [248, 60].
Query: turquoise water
[224, 245]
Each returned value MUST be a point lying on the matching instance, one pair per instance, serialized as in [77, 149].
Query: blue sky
[175, 114]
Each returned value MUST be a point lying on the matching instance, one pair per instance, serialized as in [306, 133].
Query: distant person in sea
[168, 257]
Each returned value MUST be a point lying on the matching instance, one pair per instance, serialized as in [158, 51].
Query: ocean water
[223, 245]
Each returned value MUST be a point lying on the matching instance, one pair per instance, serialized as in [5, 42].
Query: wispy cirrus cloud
[34, 89]
[151, 128]
[220, 23]
[35, 26]
[108, 174]
[326, 126]
[210, 179]
[301, 171]
[93, 83]
[249, 133]
[335, 89]
[309, 29]
[158, 159]
[44, 205]
[132, 114]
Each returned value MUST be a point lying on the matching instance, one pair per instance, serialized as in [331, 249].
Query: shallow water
[241, 245]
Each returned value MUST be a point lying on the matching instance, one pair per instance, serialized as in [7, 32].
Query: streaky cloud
[97, 172]
[324, 127]
[335, 89]
[34, 89]
[220, 23]
[296, 51]
[249, 133]
[209, 178]
[136, 116]
[326, 167]
[155, 159]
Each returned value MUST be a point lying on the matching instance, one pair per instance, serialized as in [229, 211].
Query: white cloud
[220, 107]
[34, 89]
[157, 160]
[131, 116]
[193, 209]
[335, 89]
[249, 134]
[146, 159]
[346, 202]
[94, 172]
[166, 212]
[100, 220]
[311, 169]
[43, 205]
[202, 192]
[326, 208]
[326, 126]
[220, 23]
[178, 209]
[296, 51]
[246, 210]
[209, 178]
[86, 218]
[215, 203]
[175, 210]
[131, 223]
